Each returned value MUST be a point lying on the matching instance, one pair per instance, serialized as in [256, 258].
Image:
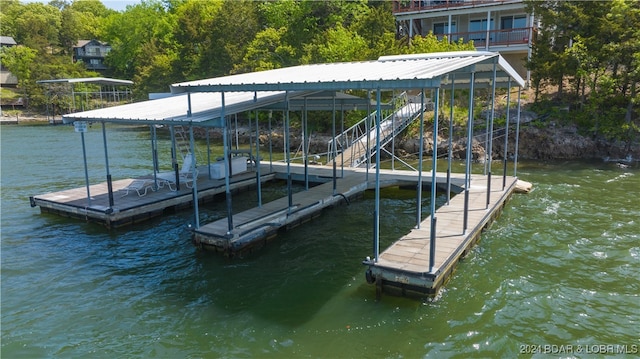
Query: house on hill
[7, 79]
[502, 26]
[92, 53]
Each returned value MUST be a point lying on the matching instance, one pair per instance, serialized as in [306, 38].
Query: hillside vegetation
[586, 57]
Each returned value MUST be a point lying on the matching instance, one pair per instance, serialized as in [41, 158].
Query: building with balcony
[502, 26]
[92, 53]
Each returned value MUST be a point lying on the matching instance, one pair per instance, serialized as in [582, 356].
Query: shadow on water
[290, 279]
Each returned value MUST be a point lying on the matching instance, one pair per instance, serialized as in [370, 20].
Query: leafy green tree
[266, 52]
[339, 45]
[9, 10]
[191, 34]
[37, 26]
[19, 60]
[229, 34]
[430, 43]
[137, 36]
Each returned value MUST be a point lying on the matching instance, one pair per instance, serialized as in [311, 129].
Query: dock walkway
[132, 208]
[405, 265]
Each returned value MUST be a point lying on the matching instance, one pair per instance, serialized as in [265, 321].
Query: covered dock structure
[423, 259]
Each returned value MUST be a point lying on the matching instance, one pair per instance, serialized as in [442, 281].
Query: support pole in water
[334, 151]
[420, 159]
[86, 170]
[194, 174]
[450, 152]
[434, 164]
[376, 214]
[227, 167]
[490, 133]
[287, 151]
[305, 148]
[515, 158]
[257, 161]
[467, 169]
[106, 160]
[506, 138]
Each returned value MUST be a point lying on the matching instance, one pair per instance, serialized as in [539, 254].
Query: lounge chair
[141, 186]
[185, 175]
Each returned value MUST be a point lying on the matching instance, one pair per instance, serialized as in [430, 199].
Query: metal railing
[400, 6]
[496, 37]
[353, 146]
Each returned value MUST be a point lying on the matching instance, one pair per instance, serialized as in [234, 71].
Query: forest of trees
[590, 52]
[587, 52]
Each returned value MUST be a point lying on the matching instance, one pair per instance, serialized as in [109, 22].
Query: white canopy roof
[388, 72]
[245, 92]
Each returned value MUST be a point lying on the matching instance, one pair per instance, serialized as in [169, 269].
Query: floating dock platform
[404, 267]
[132, 208]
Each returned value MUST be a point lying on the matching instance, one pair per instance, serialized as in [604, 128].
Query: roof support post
[270, 143]
[467, 168]
[492, 116]
[86, 170]
[342, 140]
[174, 156]
[450, 145]
[506, 138]
[367, 127]
[154, 155]
[287, 151]
[432, 238]
[305, 140]
[515, 158]
[394, 111]
[194, 174]
[106, 163]
[376, 212]
[227, 167]
[257, 161]
[334, 155]
[208, 151]
[420, 164]
[486, 43]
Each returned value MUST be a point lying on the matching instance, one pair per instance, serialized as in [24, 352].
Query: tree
[19, 60]
[266, 52]
[37, 26]
[193, 19]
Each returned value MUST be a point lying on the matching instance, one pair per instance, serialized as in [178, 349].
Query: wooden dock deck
[405, 266]
[132, 208]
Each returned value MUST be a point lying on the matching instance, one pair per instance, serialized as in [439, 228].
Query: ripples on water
[559, 267]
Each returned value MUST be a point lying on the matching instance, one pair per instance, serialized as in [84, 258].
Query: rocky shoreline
[558, 143]
[535, 143]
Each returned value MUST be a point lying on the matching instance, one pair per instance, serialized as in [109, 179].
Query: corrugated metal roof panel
[388, 72]
[174, 109]
[395, 71]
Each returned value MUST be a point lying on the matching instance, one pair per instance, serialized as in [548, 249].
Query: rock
[523, 186]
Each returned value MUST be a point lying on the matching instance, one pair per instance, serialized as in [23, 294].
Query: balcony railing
[506, 37]
[400, 6]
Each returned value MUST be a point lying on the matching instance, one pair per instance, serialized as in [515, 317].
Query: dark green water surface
[560, 267]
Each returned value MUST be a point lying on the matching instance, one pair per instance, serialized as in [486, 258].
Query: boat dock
[404, 267]
[391, 92]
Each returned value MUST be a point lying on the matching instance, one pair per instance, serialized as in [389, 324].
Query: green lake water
[559, 269]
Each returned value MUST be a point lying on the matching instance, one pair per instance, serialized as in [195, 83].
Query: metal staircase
[353, 146]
